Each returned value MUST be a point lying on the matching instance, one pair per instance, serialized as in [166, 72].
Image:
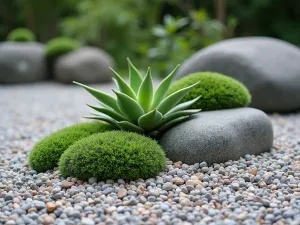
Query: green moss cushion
[46, 153]
[113, 155]
[21, 35]
[217, 90]
[60, 46]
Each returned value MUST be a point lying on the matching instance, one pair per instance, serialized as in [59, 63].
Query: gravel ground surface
[253, 190]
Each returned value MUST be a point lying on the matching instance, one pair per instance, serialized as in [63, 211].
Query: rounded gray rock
[22, 62]
[86, 65]
[219, 136]
[268, 67]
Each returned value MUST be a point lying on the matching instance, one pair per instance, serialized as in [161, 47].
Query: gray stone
[167, 186]
[22, 62]
[239, 198]
[289, 214]
[267, 66]
[219, 136]
[39, 204]
[208, 197]
[8, 197]
[87, 221]
[86, 65]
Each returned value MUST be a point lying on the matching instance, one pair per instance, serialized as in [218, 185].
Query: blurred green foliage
[159, 32]
[178, 38]
[115, 26]
[21, 35]
[60, 46]
[275, 18]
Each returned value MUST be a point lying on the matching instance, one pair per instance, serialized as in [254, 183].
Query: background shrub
[21, 35]
[113, 155]
[59, 46]
[217, 90]
[46, 153]
[153, 31]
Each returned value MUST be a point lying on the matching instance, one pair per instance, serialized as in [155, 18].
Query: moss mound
[113, 155]
[21, 35]
[217, 90]
[60, 46]
[46, 153]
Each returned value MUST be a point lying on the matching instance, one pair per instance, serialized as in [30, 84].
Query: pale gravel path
[227, 193]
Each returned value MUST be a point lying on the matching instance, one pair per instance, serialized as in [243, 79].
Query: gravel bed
[253, 190]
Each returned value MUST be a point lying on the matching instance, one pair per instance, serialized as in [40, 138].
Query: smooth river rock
[22, 62]
[268, 67]
[219, 136]
[85, 65]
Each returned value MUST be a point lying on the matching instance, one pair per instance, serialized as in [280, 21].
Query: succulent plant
[137, 107]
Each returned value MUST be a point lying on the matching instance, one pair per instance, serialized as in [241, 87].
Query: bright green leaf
[183, 106]
[163, 88]
[122, 85]
[145, 93]
[135, 79]
[175, 115]
[101, 96]
[129, 106]
[104, 118]
[150, 119]
[109, 112]
[172, 123]
[125, 125]
[116, 83]
[169, 102]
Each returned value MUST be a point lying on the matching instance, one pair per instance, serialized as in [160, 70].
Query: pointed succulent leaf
[163, 88]
[150, 119]
[105, 119]
[125, 125]
[101, 96]
[109, 112]
[122, 85]
[135, 79]
[175, 115]
[169, 102]
[116, 83]
[183, 106]
[172, 123]
[129, 106]
[145, 93]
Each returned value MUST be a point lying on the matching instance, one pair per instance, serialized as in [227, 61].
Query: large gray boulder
[269, 67]
[22, 62]
[219, 136]
[86, 65]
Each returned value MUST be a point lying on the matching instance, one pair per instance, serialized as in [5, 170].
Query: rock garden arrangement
[268, 67]
[94, 150]
[23, 60]
[187, 152]
[262, 189]
[137, 108]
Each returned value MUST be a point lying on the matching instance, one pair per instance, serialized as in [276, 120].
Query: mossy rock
[46, 153]
[217, 91]
[113, 155]
[21, 35]
[60, 46]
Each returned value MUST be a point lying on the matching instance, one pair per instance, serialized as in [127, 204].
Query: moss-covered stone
[113, 155]
[21, 35]
[46, 153]
[217, 91]
[60, 46]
